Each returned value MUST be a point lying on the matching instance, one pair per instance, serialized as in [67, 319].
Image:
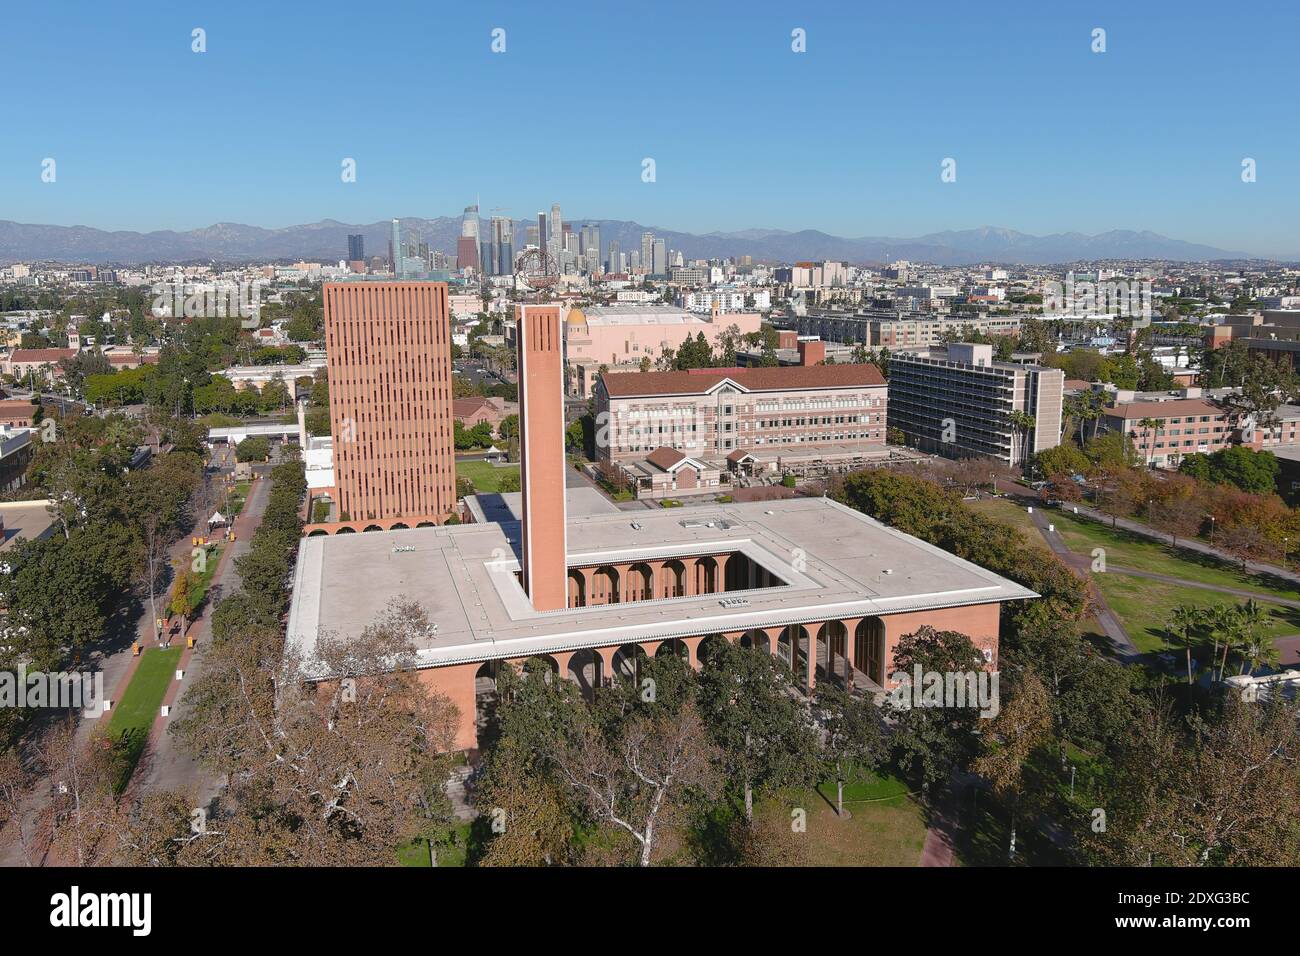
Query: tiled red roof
[41, 355]
[665, 457]
[124, 358]
[1176, 408]
[700, 380]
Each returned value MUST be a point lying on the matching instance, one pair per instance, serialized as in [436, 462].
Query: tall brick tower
[542, 475]
[388, 347]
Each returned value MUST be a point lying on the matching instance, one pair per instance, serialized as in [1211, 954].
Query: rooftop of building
[774, 379]
[1176, 407]
[834, 561]
[29, 519]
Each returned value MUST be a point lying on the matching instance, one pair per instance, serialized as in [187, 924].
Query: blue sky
[847, 137]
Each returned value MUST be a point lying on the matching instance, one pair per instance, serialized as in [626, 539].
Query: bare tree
[639, 782]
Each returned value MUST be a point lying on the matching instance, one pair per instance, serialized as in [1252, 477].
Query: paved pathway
[165, 765]
[1123, 645]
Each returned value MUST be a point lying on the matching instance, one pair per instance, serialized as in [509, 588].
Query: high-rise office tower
[395, 249]
[541, 456]
[503, 238]
[541, 233]
[388, 353]
[356, 248]
[659, 263]
[557, 224]
[647, 250]
[614, 256]
[467, 256]
[488, 256]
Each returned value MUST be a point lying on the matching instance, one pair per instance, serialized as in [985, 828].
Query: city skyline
[826, 139]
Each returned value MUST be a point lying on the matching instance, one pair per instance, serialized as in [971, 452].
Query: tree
[641, 781]
[852, 737]
[1152, 431]
[528, 810]
[1010, 739]
[253, 448]
[933, 742]
[1022, 426]
[182, 599]
[327, 774]
[1185, 619]
[753, 715]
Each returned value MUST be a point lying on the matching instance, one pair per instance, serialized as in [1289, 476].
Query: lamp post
[1211, 517]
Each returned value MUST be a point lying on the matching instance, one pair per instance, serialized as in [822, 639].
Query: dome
[576, 317]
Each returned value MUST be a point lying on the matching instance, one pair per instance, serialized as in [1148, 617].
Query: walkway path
[1110, 623]
[165, 765]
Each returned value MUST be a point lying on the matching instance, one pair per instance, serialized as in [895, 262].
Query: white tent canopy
[217, 518]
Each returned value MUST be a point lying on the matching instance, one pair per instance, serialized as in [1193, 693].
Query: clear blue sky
[847, 137]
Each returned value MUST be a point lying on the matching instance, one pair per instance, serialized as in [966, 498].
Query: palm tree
[1022, 425]
[1185, 618]
[1228, 624]
[1152, 425]
[1221, 620]
[1254, 645]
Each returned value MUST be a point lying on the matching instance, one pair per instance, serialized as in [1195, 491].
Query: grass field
[886, 827]
[134, 714]
[485, 476]
[1143, 554]
[1010, 513]
[416, 853]
[1146, 608]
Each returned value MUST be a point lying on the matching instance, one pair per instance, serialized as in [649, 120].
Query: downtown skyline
[827, 139]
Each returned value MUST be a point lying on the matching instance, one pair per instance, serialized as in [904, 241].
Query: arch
[710, 644]
[795, 640]
[674, 579]
[706, 575]
[584, 669]
[577, 588]
[639, 584]
[869, 649]
[318, 531]
[485, 696]
[604, 586]
[373, 527]
[756, 639]
[627, 663]
[831, 650]
[542, 660]
[427, 524]
[673, 646]
[346, 529]
[397, 525]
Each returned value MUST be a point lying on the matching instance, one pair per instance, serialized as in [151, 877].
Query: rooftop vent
[734, 602]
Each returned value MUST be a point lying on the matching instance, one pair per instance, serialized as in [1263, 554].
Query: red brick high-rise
[388, 347]
[542, 471]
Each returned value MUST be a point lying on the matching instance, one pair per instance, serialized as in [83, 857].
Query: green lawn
[416, 853]
[1146, 607]
[885, 827]
[203, 581]
[485, 476]
[1129, 550]
[1013, 514]
[134, 714]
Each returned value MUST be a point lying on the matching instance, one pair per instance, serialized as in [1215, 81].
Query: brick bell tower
[541, 471]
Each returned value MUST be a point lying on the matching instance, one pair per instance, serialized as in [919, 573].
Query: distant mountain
[327, 241]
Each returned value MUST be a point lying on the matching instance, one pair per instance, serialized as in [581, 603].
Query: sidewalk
[164, 765]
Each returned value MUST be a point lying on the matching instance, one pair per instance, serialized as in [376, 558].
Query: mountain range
[326, 241]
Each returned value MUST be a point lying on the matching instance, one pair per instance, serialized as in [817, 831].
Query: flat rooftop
[30, 519]
[836, 562]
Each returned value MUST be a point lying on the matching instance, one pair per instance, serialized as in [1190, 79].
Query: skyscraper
[395, 249]
[388, 353]
[647, 250]
[356, 248]
[467, 256]
[614, 257]
[503, 239]
[659, 264]
[541, 233]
